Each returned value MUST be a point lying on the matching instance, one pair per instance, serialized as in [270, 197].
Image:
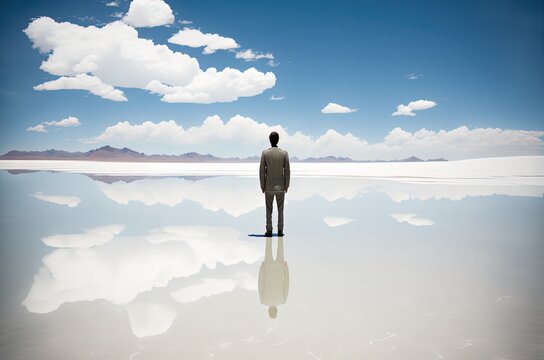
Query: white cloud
[86, 18]
[237, 129]
[149, 13]
[112, 4]
[84, 82]
[213, 86]
[333, 108]
[413, 76]
[98, 59]
[37, 128]
[277, 98]
[334, 221]
[68, 122]
[251, 55]
[114, 53]
[243, 136]
[195, 38]
[412, 219]
[185, 22]
[408, 110]
[70, 201]
[92, 237]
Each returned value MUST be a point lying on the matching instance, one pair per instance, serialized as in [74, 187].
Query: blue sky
[479, 62]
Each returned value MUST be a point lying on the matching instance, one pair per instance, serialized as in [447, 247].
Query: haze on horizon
[367, 80]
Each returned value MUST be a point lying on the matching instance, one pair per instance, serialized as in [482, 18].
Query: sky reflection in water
[162, 267]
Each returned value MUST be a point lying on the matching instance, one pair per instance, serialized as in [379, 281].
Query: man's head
[274, 138]
[272, 312]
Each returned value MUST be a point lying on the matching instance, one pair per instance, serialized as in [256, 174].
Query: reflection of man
[274, 174]
[273, 278]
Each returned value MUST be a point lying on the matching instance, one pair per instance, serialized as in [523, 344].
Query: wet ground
[112, 267]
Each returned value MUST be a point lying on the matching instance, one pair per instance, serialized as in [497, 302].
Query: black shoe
[268, 233]
[280, 233]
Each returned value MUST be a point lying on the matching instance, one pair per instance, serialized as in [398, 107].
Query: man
[274, 174]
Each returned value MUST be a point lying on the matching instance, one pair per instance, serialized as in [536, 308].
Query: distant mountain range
[109, 153]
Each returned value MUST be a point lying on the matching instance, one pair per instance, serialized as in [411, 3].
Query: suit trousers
[269, 200]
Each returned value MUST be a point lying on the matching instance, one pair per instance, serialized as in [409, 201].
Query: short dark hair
[274, 138]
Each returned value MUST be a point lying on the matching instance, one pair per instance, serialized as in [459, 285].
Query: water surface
[113, 267]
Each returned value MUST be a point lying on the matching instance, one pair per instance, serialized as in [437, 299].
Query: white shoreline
[513, 170]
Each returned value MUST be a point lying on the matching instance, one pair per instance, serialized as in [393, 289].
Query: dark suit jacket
[274, 172]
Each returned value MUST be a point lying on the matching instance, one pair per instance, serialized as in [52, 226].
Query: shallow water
[102, 267]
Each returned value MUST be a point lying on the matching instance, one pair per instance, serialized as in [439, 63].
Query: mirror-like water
[111, 267]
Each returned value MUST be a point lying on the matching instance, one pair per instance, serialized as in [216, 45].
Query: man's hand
[286, 189]
[262, 190]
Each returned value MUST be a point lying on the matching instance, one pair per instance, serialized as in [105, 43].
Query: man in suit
[274, 174]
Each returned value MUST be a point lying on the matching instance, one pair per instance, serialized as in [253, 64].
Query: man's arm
[262, 172]
[287, 171]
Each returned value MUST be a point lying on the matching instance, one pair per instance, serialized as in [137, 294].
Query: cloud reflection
[412, 219]
[116, 272]
[241, 198]
[150, 318]
[70, 201]
[334, 221]
[92, 237]
[243, 195]
[210, 287]
[118, 268]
